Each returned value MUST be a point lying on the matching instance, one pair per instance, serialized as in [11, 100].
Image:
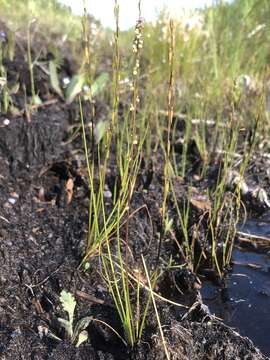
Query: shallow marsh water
[245, 303]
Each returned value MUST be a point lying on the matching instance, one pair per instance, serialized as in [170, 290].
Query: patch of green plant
[77, 84]
[77, 333]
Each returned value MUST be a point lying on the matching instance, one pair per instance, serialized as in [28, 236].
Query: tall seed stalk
[167, 164]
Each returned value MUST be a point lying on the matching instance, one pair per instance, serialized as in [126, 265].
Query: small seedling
[77, 334]
[168, 224]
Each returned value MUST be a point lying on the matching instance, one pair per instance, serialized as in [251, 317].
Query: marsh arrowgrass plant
[116, 270]
[105, 227]
[167, 150]
[213, 59]
[128, 145]
[156, 310]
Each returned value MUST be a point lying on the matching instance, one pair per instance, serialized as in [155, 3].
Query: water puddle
[245, 303]
[256, 229]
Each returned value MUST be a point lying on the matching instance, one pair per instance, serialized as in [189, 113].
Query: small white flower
[86, 88]
[66, 81]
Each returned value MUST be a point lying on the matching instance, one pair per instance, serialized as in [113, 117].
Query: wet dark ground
[245, 303]
[42, 239]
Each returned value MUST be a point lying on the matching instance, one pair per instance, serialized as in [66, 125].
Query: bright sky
[103, 9]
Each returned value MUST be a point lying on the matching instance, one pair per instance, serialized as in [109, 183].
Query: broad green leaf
[74, 87]
[100, 130]
[99, 84]
[54, 78]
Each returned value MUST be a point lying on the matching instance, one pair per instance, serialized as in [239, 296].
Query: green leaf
[3, 81]
[83, 336]
[100, 130]
[80, 326]
[99, 84]
[74, 87]
[86, 266]
[36, 100]
[14, 89]
[68, 302]
[14, 111]
[11, 44]
[54, 78]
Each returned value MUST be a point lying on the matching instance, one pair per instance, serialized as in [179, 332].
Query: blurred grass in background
[213, 47]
